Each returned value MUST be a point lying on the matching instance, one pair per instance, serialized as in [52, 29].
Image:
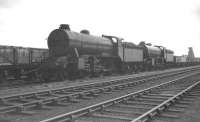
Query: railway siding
[80, 98]
[4, 91]
[102, 112]
[68, 94]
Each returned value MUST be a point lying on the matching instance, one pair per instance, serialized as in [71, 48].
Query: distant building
[182, 58]
[190, 57]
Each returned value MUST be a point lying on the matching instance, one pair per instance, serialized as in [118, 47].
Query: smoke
[8, 3]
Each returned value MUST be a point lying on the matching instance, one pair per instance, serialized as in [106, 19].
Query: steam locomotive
[73, 54]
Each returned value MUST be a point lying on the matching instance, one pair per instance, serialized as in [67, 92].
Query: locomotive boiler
[62, 42]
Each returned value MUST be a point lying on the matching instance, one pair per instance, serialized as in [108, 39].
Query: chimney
[64, 27]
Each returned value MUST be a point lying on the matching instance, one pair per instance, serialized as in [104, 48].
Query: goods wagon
[180, 59]
[169, 55]
[6, 55]
[38, 55]
[14, 55]
[16, 60]
[197, 59]
[21, 55]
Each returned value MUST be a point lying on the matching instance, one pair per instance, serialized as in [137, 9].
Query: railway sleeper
[65, 92]
[43, 106]
[18, 101]
[194, 95]
[188, 99]
[188, 96]
[8, 109]
[133, 107]
[140, 103]
[57, 95]
[111, 117]
[154, 97]
[195, 92]
[4, 102]
[73, 100]
[135, 111]
[21, 110]
[151, 99]
[85, 97]
[180, 106]
[58, 103]
[184, 102]
[118, 88]
[23, 99]
[174, 109]
[52, 93]
[40, 103]
[161, 95]
[169, 115]
[164, 118]
[107, 92]
[93, 94]
[172, 90]
[38, 97]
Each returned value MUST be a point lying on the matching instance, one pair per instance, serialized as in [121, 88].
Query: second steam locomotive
[74, 54]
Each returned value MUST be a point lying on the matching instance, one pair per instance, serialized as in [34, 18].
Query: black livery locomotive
[73, 54]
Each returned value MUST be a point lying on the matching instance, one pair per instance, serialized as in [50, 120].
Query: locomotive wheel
[43, 75]
[60, 75]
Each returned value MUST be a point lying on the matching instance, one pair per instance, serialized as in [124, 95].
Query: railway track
[139, 106]
[21, 102]
[13, 83]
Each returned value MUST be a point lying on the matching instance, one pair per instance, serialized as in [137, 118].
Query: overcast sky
[174, 24]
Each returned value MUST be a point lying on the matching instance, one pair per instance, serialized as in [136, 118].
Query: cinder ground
[44, 114]
[45, 86]
[192, 113]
